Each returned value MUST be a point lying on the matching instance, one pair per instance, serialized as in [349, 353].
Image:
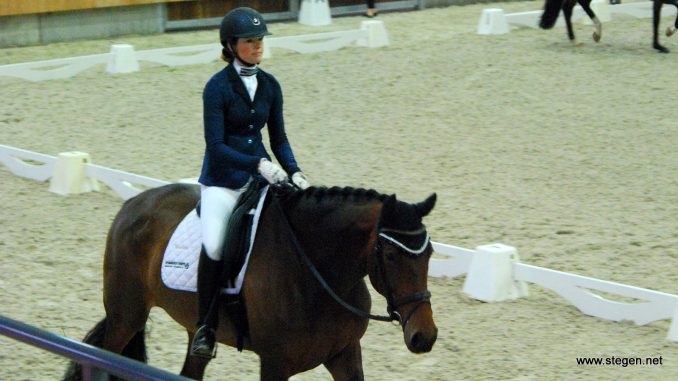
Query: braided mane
[327, 195]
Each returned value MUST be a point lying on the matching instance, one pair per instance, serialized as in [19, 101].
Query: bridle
[417, 297]
[382, 238]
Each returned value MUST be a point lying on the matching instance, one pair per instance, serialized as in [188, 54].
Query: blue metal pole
[91, 358]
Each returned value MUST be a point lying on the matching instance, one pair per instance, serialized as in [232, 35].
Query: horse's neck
[337, 236]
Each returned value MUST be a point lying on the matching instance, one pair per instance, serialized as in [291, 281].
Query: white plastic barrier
[123, 59]
[493, 21]
[491, 277]
[69, 174]
[315, 12]
[494, 271]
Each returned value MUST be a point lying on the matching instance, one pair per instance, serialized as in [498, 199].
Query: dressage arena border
[123, 59]
[493, 272]
[494, 21]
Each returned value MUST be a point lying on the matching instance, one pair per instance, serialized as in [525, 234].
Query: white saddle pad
[180, 262]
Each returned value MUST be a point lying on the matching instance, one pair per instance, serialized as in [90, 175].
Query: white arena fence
[493, 272]
[123, 59]
[495, 21]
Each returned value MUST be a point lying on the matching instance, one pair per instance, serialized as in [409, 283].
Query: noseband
[393, 304]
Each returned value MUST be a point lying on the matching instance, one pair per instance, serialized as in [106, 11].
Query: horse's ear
[425, 207]
[388, 208]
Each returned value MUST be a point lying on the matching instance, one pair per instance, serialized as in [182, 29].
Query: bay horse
[552, 10]
[306, 299]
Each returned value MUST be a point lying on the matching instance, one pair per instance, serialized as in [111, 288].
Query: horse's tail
[551, 12]
[135, 349]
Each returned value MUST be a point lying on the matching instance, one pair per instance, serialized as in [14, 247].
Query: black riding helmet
[242, 22]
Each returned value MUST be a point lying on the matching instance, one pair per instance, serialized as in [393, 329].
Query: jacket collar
[239, 87]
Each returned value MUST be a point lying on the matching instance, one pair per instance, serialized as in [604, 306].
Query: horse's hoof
[596, 37]
[660, 48]
[670, 31]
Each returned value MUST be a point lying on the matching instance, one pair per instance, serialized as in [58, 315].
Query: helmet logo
[256, 21]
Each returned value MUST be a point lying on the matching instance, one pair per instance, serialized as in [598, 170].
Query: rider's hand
[300, 180]
[272, 172]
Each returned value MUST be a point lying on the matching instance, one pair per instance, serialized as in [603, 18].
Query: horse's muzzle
[421, 341]
[420, 331]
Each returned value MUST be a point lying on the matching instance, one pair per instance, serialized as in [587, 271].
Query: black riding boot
[209, 282]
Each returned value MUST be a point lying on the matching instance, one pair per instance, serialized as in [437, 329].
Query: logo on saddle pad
[179, 269]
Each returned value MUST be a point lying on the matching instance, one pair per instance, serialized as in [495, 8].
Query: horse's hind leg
[194, 366]
[598, 32]
[126, 309]
[347, 365]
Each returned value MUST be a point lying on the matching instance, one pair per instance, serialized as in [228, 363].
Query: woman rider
[237, 102]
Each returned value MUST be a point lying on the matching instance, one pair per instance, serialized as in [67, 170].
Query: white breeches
[216, 207]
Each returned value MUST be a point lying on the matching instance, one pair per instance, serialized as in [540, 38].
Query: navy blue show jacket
[233, 124]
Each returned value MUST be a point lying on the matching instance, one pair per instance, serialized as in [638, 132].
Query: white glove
[272, 172]
[300, 180]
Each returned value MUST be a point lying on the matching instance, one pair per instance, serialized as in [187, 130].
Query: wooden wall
[23, 7]
[202, 9]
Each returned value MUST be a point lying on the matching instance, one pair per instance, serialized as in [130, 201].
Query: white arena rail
[123, 59]
[53, 69]
[182, 55]
[577, 289]
[21, 163]
[124, 184]
[493, 272]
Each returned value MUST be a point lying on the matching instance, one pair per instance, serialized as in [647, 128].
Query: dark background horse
[552, 10]
[294, 324]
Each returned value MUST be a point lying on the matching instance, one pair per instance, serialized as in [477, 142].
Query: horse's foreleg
[194, 366]
[656, 14]
[567, 12]
[273, 369]
[347, 365]
[586, 5]
[672, 29]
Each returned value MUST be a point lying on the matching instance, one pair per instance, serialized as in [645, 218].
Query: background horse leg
[194, 366]
[347, 365]
[586, 5]
[567, 12]
[672, 29]
[656, 14]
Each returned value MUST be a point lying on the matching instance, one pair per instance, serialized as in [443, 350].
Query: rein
[420, 297]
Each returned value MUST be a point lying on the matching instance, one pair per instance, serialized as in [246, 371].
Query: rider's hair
[226, 53]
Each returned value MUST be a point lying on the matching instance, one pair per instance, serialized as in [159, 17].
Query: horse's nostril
[420, 343]
[416, 340]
